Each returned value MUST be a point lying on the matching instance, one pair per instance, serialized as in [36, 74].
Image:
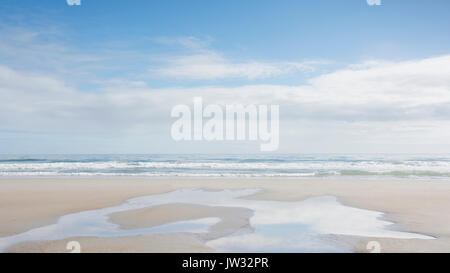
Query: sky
[354, 76]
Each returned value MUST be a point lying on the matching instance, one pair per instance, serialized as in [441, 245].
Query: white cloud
[202, 63]
[382, 103]
[189, 42]
[410, 90]
[211, 65]
[44, 50]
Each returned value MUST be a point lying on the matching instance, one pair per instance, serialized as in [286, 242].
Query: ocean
[317, 165]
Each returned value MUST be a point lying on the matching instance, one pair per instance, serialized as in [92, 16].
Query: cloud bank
[378, 105]
[379, 91]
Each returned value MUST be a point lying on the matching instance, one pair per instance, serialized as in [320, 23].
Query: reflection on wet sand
[273, 225]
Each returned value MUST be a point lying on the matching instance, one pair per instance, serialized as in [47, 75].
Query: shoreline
[413, 205]
[228, 177]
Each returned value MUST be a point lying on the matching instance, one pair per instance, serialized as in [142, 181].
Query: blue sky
[349, 77]
[342, 30]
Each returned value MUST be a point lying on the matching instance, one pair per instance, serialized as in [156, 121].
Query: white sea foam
[161, 174]
[437, 168]
[323, 165]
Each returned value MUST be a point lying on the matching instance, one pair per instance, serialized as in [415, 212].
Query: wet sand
[413, 205]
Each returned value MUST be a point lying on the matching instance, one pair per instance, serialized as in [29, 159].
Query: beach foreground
[414, 206]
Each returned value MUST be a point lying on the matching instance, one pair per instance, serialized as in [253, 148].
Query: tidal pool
[277, 226]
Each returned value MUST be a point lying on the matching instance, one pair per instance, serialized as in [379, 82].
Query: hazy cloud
[203, 63]
[212, 65]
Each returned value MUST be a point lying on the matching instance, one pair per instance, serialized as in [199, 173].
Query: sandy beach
[416, 206]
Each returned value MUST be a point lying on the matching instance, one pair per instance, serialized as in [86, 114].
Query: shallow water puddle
[277, 226]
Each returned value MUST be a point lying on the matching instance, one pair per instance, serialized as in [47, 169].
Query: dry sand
[414, 205]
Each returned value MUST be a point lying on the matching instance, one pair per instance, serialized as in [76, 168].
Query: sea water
[275, 226]
[319, 165]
